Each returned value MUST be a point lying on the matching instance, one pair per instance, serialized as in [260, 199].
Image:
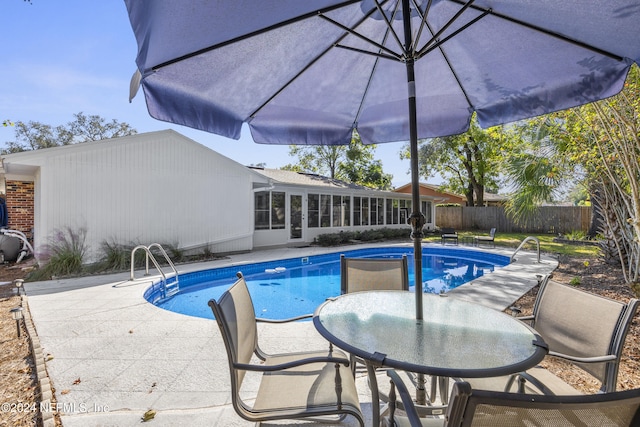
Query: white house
[164, 187]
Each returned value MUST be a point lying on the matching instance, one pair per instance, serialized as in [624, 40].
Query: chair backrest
[447, 230]
[369, 274]
[581, 324]
[492, 233]
[235, 315]
[481, 408]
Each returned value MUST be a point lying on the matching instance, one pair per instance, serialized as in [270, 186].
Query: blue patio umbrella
[313, 71]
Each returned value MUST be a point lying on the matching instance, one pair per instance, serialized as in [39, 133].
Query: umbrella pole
[416, 220]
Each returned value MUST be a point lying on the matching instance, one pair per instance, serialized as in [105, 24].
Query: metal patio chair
[304, 385]
[378, 274]
[582, 328]
[482, 408]
[490, 239]
[373, 274]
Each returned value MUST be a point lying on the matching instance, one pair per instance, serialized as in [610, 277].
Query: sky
[60, 58]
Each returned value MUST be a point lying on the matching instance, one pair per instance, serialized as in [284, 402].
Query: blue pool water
[291, 287]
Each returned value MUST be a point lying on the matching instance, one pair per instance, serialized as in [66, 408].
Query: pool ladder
[535, 239]
[167, 289]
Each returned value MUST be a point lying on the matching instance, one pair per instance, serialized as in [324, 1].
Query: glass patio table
[454, 339]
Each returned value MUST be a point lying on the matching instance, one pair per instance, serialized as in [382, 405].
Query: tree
[353, 163]
[537, 170]
[600, 142]
[468, 162]
[36, 135]
[318, 159]
[605, 138]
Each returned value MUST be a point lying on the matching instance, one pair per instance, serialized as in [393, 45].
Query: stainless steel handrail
[523, 243]
[149, 255]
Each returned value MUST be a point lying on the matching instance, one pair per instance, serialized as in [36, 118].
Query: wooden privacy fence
[549, 219]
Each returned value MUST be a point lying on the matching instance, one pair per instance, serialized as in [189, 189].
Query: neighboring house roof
[448, 197]
[495, 198]
[433, 191]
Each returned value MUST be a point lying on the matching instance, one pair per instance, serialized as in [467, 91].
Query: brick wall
[20, 196]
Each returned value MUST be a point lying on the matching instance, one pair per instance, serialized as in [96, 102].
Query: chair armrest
[293, 364]
[594, 359]
[405, 397]
[291, 319]
[526, 319]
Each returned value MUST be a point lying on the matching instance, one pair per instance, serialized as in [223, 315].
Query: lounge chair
[486, 239]
[304, 385]
[582, 328]
[471, 407]
[448, 235]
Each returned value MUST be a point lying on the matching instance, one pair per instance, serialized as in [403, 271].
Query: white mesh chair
[304, 385]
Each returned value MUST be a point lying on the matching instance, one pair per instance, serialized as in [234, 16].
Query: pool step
[171, 289]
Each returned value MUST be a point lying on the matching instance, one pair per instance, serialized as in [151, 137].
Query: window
[398, 210]
[261, 201]
[269, 210]
[356, 211]
[313, 211]
[341, 211]
[365, 211]
[405, 211]
[361, 210]
[277, 210]
[377, 211]
[325, 210]
[426, 211]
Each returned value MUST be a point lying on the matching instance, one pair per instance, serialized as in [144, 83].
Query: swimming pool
[291, 287]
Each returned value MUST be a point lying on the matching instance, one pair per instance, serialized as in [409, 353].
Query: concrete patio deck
[111, 355]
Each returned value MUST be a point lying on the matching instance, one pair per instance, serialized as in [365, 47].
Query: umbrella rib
[360, 36]
[455, 17]
[335, 44]
[388, 22]
[395, 57]
[313, 61]
[435, 43]
[252, 34]
[446, 58]
[423, 17]
[548, 32]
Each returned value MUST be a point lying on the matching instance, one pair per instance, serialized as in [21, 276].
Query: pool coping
[111, 356]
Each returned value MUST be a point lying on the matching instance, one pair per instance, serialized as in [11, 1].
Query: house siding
[157, 187]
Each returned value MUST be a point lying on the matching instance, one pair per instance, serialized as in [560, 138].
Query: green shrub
[117, 257]
[66, 249]
[576, 235]
[332, 239]
[344, 237]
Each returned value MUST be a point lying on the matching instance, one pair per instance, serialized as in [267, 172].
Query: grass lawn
[547, 245]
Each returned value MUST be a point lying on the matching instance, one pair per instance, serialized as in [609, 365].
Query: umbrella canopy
[310, 72]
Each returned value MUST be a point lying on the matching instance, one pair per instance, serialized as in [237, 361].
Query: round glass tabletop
[455, 338]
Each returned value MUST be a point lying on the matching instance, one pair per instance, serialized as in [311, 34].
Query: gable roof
[28, 162]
